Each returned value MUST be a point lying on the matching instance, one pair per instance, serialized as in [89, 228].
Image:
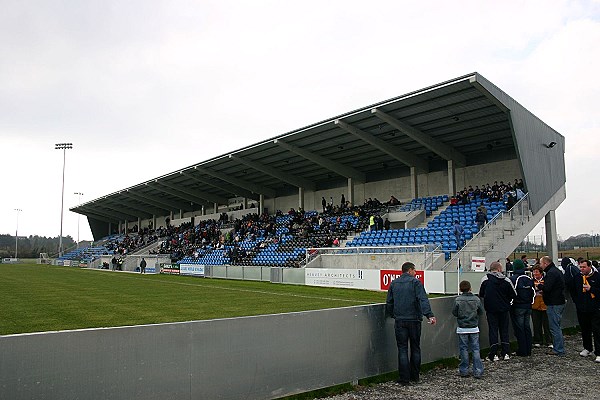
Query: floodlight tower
[79, 194]
[63, 147]
[18, 210]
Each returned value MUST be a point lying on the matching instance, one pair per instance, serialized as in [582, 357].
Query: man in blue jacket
[520, 312]
[497, 292]
[407, 303]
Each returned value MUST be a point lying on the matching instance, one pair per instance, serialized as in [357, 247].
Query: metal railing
[425, 252]
[505, 222]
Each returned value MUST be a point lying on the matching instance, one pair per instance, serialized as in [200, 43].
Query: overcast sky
[142, 88]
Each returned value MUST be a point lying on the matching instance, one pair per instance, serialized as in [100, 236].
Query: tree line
[32, 246]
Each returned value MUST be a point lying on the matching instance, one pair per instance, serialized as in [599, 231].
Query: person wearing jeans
[520, 312]
[554, 297]
[467, 309]
[407, 303]
[554, 317]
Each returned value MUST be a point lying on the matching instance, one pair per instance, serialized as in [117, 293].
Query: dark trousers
[521, 322]
[408, 332]
[498, 322]
[587, 331]
[541, 329]
[596, 331]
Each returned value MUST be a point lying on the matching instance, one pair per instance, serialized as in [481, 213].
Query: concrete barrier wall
[249, 273]
[261, 357]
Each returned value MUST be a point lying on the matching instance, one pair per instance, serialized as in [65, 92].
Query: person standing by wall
[143, 266]
[497, 292]
[553, 292]
[587, 302]
[520, 311]
[407, 303]
[467, 309]
[541, 330]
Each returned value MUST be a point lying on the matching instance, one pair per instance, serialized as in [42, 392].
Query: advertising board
[169, 269]
[191, 269]
[370, 279]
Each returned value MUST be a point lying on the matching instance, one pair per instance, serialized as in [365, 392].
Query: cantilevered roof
[455, 120]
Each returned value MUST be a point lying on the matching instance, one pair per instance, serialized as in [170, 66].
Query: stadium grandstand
[439, 154]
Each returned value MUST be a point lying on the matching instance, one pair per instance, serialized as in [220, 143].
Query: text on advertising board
[386, 276]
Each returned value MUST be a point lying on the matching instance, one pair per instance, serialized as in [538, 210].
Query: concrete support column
[126, 226]
[203, 211]
[245, 203]
[110, 228]
[414, 184]
[451, 178]
[261, 204]
[216, 208]
[180, 213]
[153, 221]
[551, 235]
[350, 196]
[301, 198]
[139, 224]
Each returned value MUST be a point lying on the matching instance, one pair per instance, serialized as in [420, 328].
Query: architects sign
[343, 278]
[370, 279]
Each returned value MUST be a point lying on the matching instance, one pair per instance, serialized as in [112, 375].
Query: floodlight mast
[79, 194]
[63, 147]
[18, 210]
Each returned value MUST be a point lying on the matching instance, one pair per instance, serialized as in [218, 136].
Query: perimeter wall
[261, 357]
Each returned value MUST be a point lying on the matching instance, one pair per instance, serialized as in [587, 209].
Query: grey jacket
[407, 299]
[467, 309]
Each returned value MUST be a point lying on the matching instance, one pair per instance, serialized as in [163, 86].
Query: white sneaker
[550, 346]
[597, 359]
[496, 358]
[506, 357]
[537, 345]
[585, 353]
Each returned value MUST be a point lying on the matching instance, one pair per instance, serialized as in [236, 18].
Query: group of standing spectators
[537, 300]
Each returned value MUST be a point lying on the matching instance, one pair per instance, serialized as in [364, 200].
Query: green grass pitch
[37, 298]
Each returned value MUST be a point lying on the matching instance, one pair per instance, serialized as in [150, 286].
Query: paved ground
[539, 377]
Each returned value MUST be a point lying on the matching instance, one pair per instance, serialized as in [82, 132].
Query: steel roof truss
[399, 154]
[338, 168]
[441, 149]
[258, 189]
[277, 173]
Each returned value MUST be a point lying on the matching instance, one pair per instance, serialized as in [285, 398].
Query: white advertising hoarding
[342, 278]
[478, 263]
[191, 269]
[371, 279]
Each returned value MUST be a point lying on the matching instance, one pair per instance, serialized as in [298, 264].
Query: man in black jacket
[497, 292]
[520, 312]
[554, 297]
[586, 295]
